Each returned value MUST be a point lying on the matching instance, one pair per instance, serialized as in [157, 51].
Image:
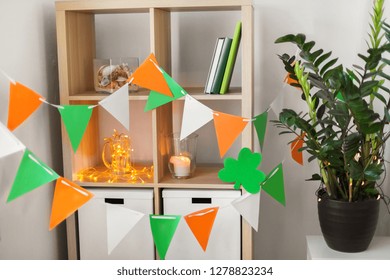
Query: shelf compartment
[143, 94]
[100, 175]
[204, 177]
[120, 6]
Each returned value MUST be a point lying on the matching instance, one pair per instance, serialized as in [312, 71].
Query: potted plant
[344, 130]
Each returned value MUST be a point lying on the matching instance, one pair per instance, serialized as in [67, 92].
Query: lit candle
[181, 165]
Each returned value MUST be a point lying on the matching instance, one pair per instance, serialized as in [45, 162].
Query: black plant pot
[348, 226]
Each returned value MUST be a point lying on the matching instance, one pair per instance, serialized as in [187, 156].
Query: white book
[214, 63]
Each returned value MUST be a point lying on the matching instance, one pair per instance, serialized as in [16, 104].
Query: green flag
[156, 99]
[163, 228]
[76, 119]
[274, 184]
[32, 173]
[260, 124]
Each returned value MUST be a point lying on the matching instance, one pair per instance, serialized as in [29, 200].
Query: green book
[217, 82]
[227, 76]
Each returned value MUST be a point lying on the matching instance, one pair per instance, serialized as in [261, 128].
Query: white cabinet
[225, 237]
[137, 244]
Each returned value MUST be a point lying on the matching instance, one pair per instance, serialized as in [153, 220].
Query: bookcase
[76, 43]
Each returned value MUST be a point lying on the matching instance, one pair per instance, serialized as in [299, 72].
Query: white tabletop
[317, 249]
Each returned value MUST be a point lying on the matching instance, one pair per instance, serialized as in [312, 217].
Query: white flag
[195, 115]
[117, 104]
[9, 144]
[248, 205]
[120, 221]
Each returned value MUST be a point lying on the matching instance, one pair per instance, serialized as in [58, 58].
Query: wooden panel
[160, 39]
[247, 108]
[88, 154]
[120, 6]
[80, 30]
[247, 72]
[76, 50]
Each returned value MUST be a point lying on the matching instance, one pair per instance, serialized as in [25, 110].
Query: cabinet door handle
[114, 200]
[201, 200]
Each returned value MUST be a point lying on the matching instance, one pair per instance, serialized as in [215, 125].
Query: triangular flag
[260, 124]
[201, 223]
[278, 103]
[339, 96]
[290, 80]
[150, 76]
[22, 103]
[76, 119]
[156, 99]
[9, 144]
[163, 228]
[120, 221]
[228, 128]
[248, 205]
[274, 184]
[195, 115]
[296, 154]
[68, 197]
[117, 104]
[32, 173]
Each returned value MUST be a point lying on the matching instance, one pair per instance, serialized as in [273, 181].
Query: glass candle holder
[182, 155]
[112, 73]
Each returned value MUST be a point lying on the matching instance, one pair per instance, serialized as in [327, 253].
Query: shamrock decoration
[243, 171]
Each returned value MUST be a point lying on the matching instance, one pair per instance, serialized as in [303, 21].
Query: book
[218, 64]
[216, 85]
[213, 65]
[227, 76]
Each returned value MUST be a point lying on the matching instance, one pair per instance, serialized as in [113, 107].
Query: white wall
[340, 26]
[28, 54]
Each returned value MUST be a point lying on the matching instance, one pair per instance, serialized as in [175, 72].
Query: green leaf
[355, 170]
[314, 177]
[373, 172]
[328, 65]
[308, 46]
[286, 39]
[322, 58]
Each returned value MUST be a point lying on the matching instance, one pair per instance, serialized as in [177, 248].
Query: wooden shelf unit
[76, 50]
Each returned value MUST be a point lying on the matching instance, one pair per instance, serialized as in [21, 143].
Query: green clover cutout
[243, 171]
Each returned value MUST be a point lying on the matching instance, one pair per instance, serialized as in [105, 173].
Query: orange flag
[227, 127]
[295, 146]
[68, 197]
[22, 103]
[148, 75]
[290, 80]
[201, 224]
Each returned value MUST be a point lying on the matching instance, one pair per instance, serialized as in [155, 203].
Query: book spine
[216, 86]
[213, 65]
[227, 76]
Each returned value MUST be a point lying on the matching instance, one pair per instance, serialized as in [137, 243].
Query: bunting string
[69, 197]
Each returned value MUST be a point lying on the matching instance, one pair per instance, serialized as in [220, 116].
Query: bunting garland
[157, 99]
[117, 104]
[68, 197]
[120, 221]
[9, 144]
[195, 115]
[32, 173]
[296, 152]
[150, 76]
[163, 228]
[76, 119]
[228, 128]
[201, 223]
[22, 103]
